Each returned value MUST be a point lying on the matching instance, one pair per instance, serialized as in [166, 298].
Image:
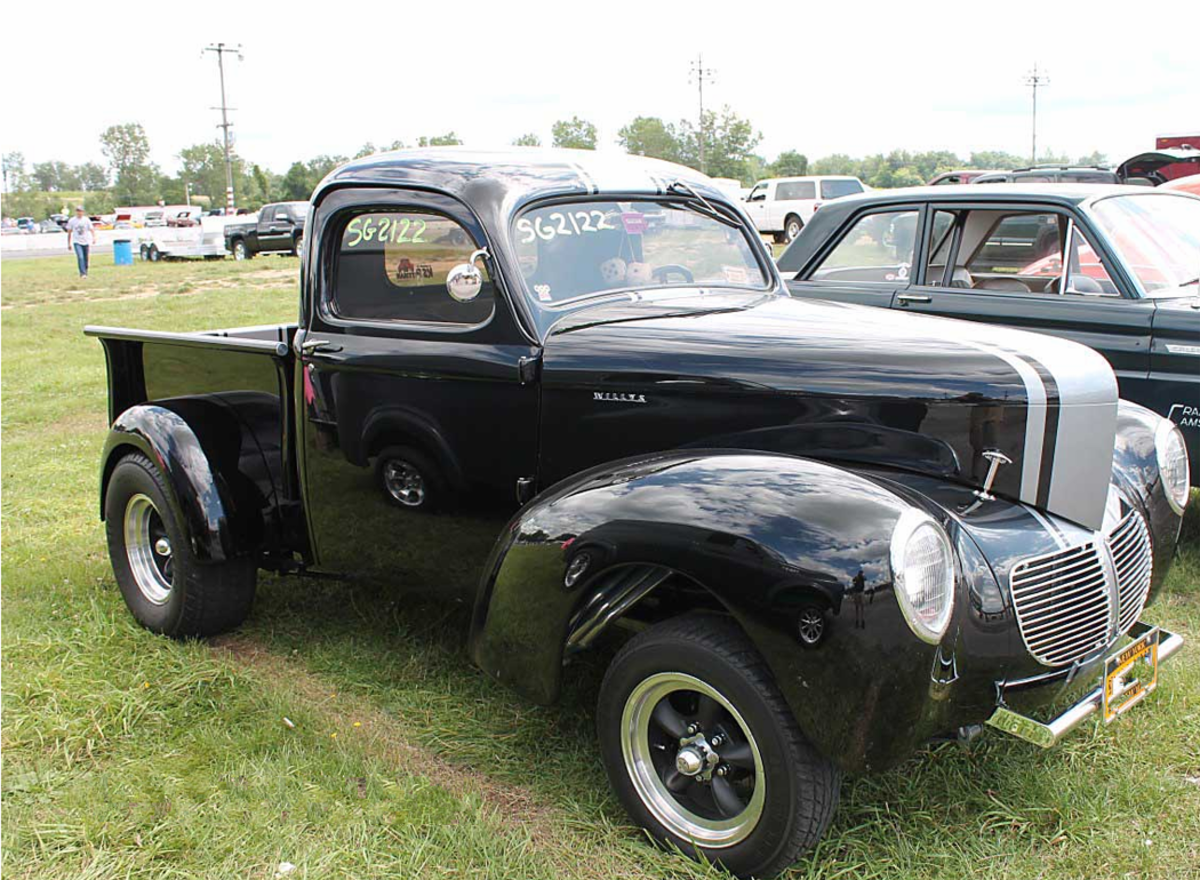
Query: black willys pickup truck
[279, 228]
[573, 390]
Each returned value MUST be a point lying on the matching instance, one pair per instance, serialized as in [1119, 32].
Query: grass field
[128, 755]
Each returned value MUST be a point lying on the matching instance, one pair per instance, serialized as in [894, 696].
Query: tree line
[721, 143]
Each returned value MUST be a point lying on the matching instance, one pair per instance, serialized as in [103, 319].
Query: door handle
[312, 346]
[906, 298]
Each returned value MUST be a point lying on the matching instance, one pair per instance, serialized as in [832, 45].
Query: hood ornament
[996, 459]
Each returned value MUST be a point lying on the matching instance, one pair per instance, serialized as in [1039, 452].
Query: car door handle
[312, 346]
[906, 298]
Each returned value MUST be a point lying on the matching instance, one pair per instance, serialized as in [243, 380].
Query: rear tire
[791, 228]
[409, 479]
[298, 245]
[168, 590]
[144, 252]
[768, 795]
[154, 255]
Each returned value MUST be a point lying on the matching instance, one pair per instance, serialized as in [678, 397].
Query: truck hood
[836, 382]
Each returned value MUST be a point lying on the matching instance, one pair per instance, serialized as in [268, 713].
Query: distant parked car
[279, 228]
[781, 206]
[1051, 174]
[154, 218]
[1189, 184]
[967, 175]
[49, 226]
[60, 219]
[186, 217]
[26, 224]
[1156, 167]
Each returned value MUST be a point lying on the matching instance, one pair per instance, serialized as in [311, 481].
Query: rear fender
[759, 535]
[220, 504]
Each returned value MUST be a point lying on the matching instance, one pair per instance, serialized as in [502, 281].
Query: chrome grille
[1133, 561]
[1064, 600]
[1063, 604]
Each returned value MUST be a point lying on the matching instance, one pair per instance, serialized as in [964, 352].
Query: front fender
[760, 533]
[220, 508]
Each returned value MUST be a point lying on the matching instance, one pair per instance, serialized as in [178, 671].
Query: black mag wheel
[703, 752]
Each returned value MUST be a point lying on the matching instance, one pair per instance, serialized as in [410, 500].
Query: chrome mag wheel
[148, 549]
[404, 483]
[693, 760]
[811, 625]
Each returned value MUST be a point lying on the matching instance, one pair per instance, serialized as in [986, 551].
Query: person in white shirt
[81, 235]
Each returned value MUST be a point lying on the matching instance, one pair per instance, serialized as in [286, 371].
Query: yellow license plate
[1131, 674]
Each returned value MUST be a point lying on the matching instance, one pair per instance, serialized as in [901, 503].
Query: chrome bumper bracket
[1049, 734]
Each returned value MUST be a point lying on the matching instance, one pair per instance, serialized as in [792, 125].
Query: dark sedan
[1116, 268]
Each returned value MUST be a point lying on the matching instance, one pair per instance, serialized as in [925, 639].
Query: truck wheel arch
[203, 498]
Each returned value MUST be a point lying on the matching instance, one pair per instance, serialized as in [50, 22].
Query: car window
[1035, 178]
[792, 190]
[941, 240]
[835, 189]
[758, 193]
[1086, 274]
[392, 266]
[876, 248]
[1016, 245]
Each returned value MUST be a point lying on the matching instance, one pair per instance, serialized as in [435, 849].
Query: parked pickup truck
[278, 228]
[836, 533]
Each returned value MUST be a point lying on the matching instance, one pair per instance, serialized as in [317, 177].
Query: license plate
[1131, 674]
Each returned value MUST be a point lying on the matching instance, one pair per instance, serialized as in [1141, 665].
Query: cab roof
[511, 177]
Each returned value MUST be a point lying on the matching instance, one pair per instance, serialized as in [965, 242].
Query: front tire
[155, 255]
[168, 590]
[703, 753]
[240, 251]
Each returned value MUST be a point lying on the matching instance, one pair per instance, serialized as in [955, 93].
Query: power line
[221, 50]
[1035, 80]
[700, 75]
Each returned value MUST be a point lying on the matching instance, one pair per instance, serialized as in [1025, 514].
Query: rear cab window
[835, 189]
[391, 266]
[795, 190]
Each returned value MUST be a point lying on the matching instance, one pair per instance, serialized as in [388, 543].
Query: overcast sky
[849, 77]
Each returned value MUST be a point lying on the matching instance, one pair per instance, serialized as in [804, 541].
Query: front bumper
[1048, 734]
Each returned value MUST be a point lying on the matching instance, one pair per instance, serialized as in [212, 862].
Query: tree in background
[55, 176]
[92, 177]
[729, 142]
[994, 160]
[203, 167]
[574, 133]
[650, 136]
[528, 140]
[127, 150]
[14, 172]
[302, 177]
[789, 163]
[441, 140]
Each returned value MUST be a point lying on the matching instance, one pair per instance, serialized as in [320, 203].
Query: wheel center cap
[689, 761]
[162, 547]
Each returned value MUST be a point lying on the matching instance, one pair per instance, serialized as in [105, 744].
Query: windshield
[576, 251]
[1157, 237]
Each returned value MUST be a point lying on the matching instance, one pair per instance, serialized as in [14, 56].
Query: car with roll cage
[1129, 285]
[572, 390]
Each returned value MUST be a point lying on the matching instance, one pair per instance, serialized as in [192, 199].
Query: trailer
[170, 242]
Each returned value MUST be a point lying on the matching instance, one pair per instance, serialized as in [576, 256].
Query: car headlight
[1171, 451]
[923, 574]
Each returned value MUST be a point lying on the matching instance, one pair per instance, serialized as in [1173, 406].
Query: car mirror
[465, 280]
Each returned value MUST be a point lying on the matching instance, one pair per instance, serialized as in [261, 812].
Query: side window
[877, 248]
[392, 266]
[1086, 274]
[1019, 244]
[795, 190]
[758, 193]
[835, 189]
[941, 241]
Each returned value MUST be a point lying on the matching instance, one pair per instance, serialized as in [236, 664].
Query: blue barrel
[122, 252]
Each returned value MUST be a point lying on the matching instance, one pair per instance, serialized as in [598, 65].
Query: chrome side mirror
[465, 280]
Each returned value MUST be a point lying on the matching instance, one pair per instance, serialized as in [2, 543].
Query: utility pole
[1035, 80]
[221, 50]
[701, 74]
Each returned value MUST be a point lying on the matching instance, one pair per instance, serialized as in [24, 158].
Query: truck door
[418, 409]
[274, 228]
[756, 206]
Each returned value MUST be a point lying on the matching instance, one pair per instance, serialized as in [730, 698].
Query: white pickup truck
[782, 205]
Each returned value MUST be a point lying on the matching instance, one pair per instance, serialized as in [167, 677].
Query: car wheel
[791, 228]
[144, 252]
[298, 245]
[704, 754]
[240, 251]
[811, 625]
[154, 255]
[409, 479]
[165, 586]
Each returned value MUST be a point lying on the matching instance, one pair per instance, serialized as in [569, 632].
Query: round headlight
[1171, 451]
[923, 574]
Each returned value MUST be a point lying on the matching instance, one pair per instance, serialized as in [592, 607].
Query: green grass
[128, 755]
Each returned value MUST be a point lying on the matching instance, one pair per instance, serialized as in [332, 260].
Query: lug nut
[693, 729]
[723, 770]
[716, 740]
